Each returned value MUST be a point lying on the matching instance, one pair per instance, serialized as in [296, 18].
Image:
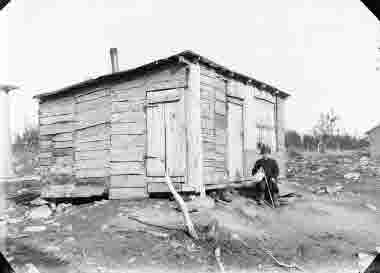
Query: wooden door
[155, 162]
[265, 124]
[235, 140]
[166, 138]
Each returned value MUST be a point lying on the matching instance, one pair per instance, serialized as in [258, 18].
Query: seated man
[271, 171]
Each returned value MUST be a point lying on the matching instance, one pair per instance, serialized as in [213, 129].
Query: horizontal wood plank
[63, 144]
[133, 94]
[168, 84]
[126, 180]
[63, 152]
[162, 187]
[57, 128]
[132, 154]
[93, 117]
[175, 179]
[126, 106]
[85, 155]
[138, 117]
[164, 96]
[45, 144]
[63, 137]
[84, 173]
[128, 128]
[56, 107]
[99, 103]
[127, 168]
[95, 133]
[93, 145]
[64, 160]
[128, 193]
[96, 94]
[56, 119]
[127, 141]
[100, 163]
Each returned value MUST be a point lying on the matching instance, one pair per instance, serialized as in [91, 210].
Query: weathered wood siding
[57, 123]
[214, 126]
[92, 133]
[374, 140]
[219, 128]
[203, 126]
[129, 140]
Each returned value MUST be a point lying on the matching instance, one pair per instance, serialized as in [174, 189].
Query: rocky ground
[321, 229]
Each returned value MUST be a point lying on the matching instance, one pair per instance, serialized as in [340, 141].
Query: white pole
[5, 158]
[5, 136]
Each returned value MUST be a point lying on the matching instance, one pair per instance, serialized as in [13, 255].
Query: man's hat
[264, 150]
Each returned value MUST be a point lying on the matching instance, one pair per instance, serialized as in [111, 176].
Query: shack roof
[188, 55]
[372, 129]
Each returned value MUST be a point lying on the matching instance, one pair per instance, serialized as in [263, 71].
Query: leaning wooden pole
[182, 205]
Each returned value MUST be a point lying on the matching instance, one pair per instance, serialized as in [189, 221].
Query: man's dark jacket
[270, 167]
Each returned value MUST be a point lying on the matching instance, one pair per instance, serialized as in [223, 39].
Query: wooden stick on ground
[182, 205]
[293, 265]
[218, 259]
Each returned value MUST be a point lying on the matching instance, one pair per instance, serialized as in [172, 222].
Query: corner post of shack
[193, 128]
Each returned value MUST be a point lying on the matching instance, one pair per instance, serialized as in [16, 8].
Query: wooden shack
[374, 141]
[185, 113]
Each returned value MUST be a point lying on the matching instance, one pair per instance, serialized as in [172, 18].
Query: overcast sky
[323, 52]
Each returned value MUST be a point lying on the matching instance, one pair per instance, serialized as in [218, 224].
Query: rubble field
[332, 217]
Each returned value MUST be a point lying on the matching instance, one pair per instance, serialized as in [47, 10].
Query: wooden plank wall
[128, 131]
[214, 92]
[214, 126]
[281, 119]
[57, 123]
[92, 136]
[250, 132]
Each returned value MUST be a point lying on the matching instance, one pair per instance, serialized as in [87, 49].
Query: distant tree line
[325, 133]
[310, 142]
[27, 140]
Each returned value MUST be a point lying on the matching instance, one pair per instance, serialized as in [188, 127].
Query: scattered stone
[175, 244]
[35, 229]
[69, 240]
[53, 206]
[334, 189]
[104, 227]
[157, 234]
[41, 212]
[371, 207]
[352, 176]
[62, 207]
[52, 249]
[39, 202]
[132, 260]
[31, 268]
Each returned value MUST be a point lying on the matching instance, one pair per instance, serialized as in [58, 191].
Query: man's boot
[275, 197]
[261, 198]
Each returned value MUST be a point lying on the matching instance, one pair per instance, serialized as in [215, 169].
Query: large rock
[35, 229]
[41, 212]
